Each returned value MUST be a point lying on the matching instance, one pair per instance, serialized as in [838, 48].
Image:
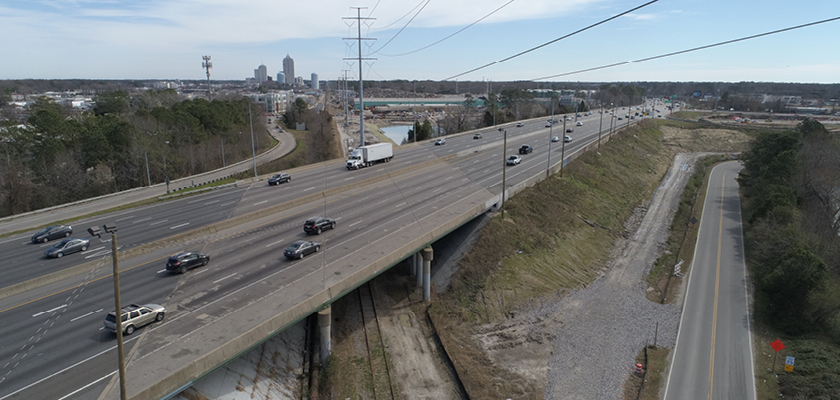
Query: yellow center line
[717, 288]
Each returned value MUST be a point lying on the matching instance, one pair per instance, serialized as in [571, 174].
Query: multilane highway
[54, 346]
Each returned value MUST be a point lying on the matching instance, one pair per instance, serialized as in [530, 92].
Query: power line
[555, 40]
[401, 18]
[691, 50]
[459, 31]
[402, 29]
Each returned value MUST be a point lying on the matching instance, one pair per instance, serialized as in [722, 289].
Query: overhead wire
[401, 29]
[690, 50]
[401, 18]
[554, 41]
[457, 32]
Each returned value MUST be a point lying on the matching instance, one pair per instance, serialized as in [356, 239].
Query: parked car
[52, 232]
[567, 138]
[186, 260]
[135, 316]
[440, 142]
[579, 123]
[555, 139]
[317, 224]
[569, 130]
[513, 160]
[279, 178]
[66, 246]
[301, 248]
[477, 136]
[519, 125]
[525, 149]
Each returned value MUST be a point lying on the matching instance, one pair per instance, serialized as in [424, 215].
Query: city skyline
[100, 39]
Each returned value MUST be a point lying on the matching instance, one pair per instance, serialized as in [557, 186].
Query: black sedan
[301, 248]
[525, 149]
[279, 178]
[52, 232]
[318, 224]
[66, 246]
[185, 260]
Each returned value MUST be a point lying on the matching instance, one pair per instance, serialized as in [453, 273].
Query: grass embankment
[655, 361]
[294, 159]
[544, 246]
[692, 115]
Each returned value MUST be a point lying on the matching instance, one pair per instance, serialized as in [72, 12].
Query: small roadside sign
[693, 220]
[789, 360]
[777, 345]
[788, 368]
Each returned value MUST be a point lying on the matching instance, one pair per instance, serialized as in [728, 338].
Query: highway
[713, 356]
[54, 345]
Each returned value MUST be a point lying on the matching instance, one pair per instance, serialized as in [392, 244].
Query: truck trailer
[366, 156]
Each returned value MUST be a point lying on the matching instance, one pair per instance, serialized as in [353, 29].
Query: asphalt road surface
[53, 343]
[713, 356]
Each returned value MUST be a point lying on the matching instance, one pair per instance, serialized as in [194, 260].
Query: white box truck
[366, 156]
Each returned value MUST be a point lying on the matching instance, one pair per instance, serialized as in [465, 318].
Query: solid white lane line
[356, 223]
[87, 386]
[49, 311]
[120, 219]
[159, 222]
[211, 202]
[272, 244]
[219, 280]
[178, 226]
[141, 220]
[85, 315]
[262, 202]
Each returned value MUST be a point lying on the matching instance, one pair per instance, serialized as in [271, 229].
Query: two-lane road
[713, 356]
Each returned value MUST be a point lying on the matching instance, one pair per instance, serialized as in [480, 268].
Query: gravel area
[604, 326]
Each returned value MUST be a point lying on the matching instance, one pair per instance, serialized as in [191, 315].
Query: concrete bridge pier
[324, 322]
[418, 268]
[427, 274]
[412, 264]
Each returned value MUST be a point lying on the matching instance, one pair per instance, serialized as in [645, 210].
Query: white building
[314, 81]
[261, 74]
[281, 77]
[289, 69]
[275, 102]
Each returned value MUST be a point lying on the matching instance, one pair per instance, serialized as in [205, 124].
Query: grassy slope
[542, 247]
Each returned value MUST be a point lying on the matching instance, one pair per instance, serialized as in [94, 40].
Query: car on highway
[519, 125]
[619, 118]
[318, 224]
[185, 261]
[135, 316]
[280, 178]
[548, 124]
[301, 248]
[568, 118]
[567, 138]
[632, 117]
[579, 123]
[555, 139]
[513, 160]
[525, 149]
[569, 130]
[52, 232]
[477, 136]
[66, 246]
[440, 142]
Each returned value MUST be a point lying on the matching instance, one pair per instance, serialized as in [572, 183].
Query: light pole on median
[253, 149]
[504, 171]
[112, 229]
[550, 138]
[563, 149]
[165, 173]
[600, 126]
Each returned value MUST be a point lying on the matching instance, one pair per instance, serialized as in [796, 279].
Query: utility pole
[600, 126]
[504, 171]
[346, 99]
[207, 65]
[550, 138]
[359, 19]
[563, 149]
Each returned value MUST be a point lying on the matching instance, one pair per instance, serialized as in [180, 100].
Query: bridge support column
[324, 322]
[418, 268]
[427, 274]
[411, 261]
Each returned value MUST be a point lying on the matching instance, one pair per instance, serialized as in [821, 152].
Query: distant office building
[274, 102]
[281, 77]
[299, 80]
[314, 82]
[289, 69]
[261, 74]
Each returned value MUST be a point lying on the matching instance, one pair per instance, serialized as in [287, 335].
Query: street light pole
[550, 130]
[563, 149]
[504, 172]
[112, 229]
[165, 173]
[600, 126]
[253, 149]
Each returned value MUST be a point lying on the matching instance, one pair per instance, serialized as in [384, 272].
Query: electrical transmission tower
[359, 19]
[206, 64]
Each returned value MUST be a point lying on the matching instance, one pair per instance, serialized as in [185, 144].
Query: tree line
[124, 142]
[791, 186]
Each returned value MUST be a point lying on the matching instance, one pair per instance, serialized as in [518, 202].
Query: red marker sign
[777, 345]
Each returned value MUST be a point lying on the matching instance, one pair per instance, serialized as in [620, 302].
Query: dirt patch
[692, 138]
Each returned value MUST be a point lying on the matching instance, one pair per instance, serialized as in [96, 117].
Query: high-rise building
[281, 77]
[314, 81]
[261, 74]
[289, 69]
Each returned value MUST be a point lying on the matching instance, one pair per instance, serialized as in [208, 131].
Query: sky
[166, 39]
